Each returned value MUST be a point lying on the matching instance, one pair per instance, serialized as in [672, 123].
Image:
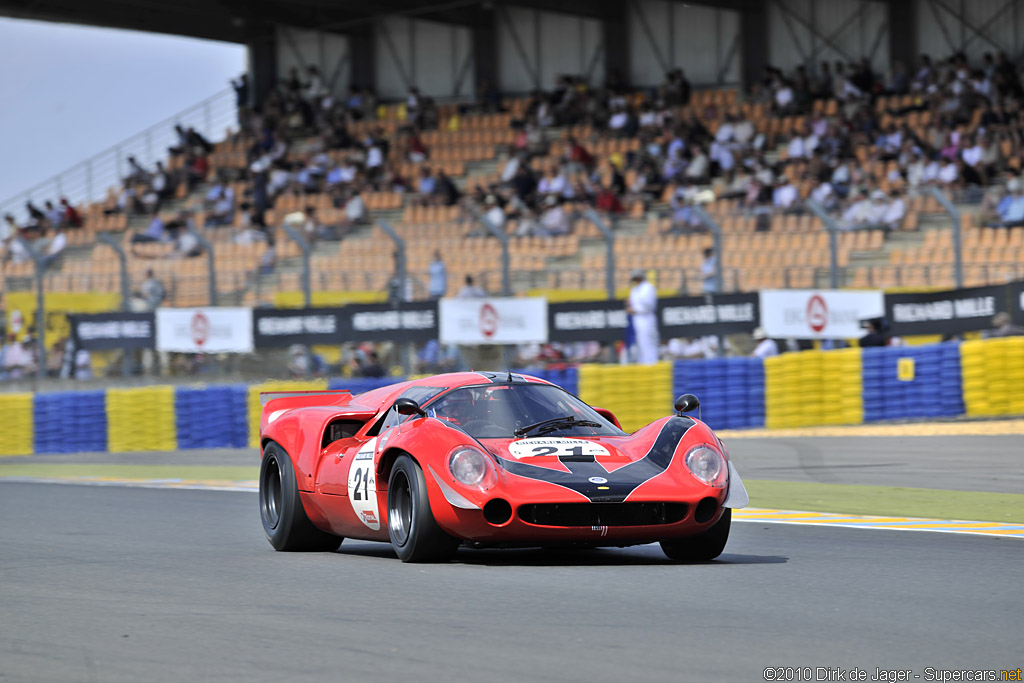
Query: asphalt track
[130, 584]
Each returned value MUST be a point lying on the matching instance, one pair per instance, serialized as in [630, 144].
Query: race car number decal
[564, 449]
[362, 486]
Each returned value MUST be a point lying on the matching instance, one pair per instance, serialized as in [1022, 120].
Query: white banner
[204, 330]
[818, 314]
[493, 321]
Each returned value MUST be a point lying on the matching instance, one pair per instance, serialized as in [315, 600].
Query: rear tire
[702, 547]
[284, 519]
[414, 532]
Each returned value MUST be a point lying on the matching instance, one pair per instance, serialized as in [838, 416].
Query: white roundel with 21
[555, 447]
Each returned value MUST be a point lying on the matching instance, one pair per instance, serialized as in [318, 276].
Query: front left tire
[415, 534]
[284, 519]
[702, 547]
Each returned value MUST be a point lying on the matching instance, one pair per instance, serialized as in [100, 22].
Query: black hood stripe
[621, 482]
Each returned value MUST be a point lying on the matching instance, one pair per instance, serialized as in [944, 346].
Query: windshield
[496, 411]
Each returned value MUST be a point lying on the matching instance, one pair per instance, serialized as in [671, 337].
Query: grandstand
[472, 142]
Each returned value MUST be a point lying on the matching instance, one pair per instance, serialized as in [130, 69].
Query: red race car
[488, 459]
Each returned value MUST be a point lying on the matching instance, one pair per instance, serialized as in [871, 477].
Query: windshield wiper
[554, 423]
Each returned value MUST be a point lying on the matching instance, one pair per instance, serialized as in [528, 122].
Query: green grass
[887, 501]
[60, 470]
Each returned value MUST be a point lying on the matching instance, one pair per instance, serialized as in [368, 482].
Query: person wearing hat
[642, 307]
[765, 347]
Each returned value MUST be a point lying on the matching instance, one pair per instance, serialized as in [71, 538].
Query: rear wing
[308, 398]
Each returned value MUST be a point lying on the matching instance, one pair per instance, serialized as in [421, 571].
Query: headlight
[470, 467]
[707, 465]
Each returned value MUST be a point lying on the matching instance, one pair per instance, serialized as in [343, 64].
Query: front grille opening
[602, 514]
[497, 511]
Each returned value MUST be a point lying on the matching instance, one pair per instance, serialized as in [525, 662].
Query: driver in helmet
[460, 407]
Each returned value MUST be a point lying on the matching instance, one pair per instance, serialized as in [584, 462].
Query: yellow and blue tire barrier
[811, 388]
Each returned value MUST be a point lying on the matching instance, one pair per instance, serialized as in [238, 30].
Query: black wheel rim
[400, 509]
[271, 493]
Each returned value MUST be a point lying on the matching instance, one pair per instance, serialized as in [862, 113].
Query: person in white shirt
[708, 270]
[642, 306]
[892, 219]
[55, 248]
[438, 277]
[785, 195]
[554, 220]
[495, 214]
[355, 208]
[766, 347]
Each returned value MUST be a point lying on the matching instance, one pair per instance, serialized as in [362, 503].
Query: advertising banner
[603, 321]
[1016, 302]
[204, 330]
[493, 321]
[277, 327]
[698, 316]
[414, 322]
[963, 310]
[108, 331]
[818, 314]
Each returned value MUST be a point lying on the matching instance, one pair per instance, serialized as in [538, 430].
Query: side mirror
[407, 406]
[686, 403]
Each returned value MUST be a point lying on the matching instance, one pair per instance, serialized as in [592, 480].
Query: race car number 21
[561, 448]
[362, 486]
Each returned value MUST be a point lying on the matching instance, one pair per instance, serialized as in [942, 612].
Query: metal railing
[89, 180]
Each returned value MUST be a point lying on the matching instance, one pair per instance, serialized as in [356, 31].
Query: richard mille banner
[108, 331]
[963, 310]
[275, 327]
[698, 316]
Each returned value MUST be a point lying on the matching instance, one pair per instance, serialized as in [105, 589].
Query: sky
[68, 92]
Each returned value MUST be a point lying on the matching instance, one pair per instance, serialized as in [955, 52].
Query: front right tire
[284, 519]
[702, 547]
[415, 534]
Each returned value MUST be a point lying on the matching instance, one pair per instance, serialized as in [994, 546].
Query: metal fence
[89, 180]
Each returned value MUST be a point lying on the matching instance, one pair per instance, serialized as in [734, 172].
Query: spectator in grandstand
[355, 209]
[709, 271]
[438, 277]
[554, 220]
[71, 216]
[186, 243]
[766, 347]
[494, 213]
[268, 261]
[315, 88]
[136, 173]
[152, 291]
[642, 306]
[1011, 207]
[425, 185]
[470, 290]
[221, 204]
[54, 216]
[1002, 326]
[895, 211]
[55, 248]
[155, 232]
[445, 190]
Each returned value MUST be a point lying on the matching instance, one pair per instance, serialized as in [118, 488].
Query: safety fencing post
[958, 236]
[401, 273]
[609, 241]
[716, 231]
[126, 289]
[506, 277]
[833, 240]
[307, 288]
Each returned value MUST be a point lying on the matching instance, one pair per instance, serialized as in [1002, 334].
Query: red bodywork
[343, 485]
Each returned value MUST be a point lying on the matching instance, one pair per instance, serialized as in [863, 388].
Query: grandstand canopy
[519, 45]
